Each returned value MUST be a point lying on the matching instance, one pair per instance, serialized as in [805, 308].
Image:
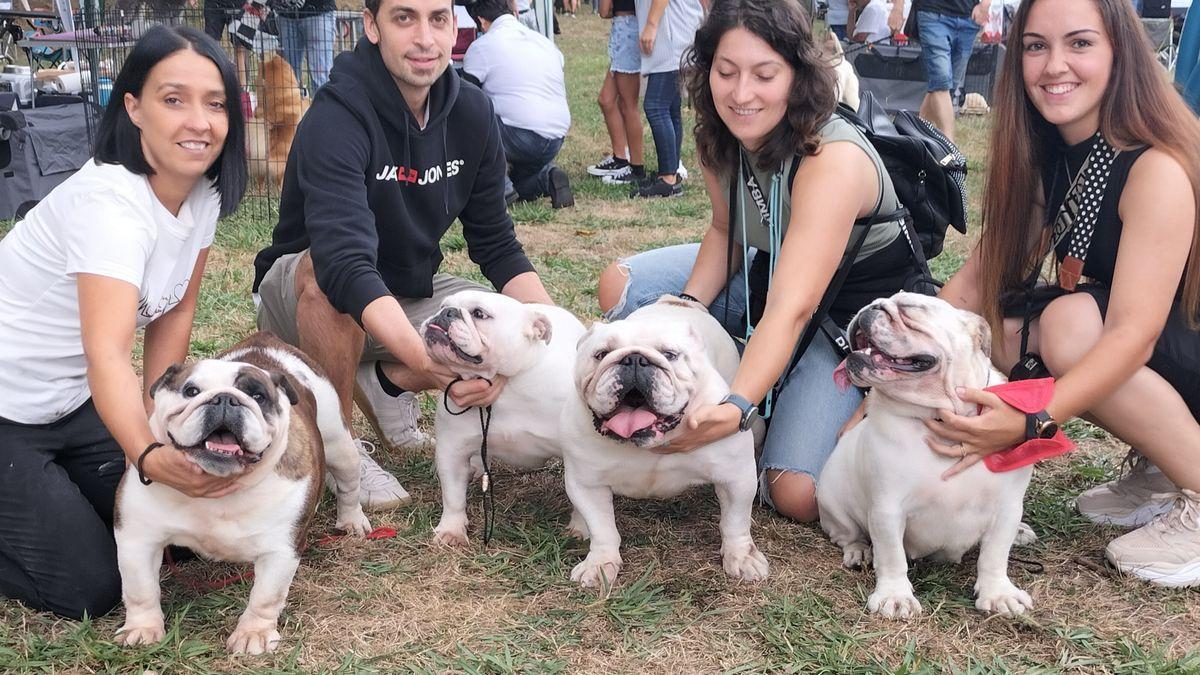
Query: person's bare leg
[612, 284]
[332, 339]
[1145, 412]
[629, 86]
[939, 110]
[612, 115]
[794, 495]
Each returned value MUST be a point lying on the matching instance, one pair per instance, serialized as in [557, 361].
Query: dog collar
[1028, 396]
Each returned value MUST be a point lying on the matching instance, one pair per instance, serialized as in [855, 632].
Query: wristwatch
[749, 410]
[1040, 425]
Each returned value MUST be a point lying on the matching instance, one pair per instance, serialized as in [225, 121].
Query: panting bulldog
[483, 334]
[635, 381]
[881, 494]
[264, 412]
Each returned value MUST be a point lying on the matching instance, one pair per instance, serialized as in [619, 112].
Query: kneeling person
[521, 71]
[374, 179]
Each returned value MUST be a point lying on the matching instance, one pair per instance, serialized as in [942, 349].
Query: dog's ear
[167, 379]
[980, 332]
[284, 383]
[540, 328]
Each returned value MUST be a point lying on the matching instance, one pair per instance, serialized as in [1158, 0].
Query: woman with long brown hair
[1096, 159]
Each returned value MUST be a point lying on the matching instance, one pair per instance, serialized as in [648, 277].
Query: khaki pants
[277, 302]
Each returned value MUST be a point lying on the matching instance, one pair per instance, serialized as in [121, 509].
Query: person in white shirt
[118, 246]
[521, 71]
[837, 15]
[871, 24]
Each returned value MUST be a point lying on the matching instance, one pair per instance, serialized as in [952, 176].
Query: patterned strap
[1080, 210]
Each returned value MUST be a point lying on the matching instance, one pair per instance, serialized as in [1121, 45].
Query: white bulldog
[263, 411]
[482, 334]
[635, 382]
[881, 494]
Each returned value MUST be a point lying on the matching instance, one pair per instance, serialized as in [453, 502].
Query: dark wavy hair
[119, 141]
[784, 25]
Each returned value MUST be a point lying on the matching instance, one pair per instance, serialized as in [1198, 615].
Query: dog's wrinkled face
[223, 414]
[638, 378]
[477, 333]
[917, 349]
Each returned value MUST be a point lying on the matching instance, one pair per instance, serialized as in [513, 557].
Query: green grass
[399, 605]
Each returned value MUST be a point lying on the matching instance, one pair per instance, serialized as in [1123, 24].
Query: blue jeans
[530, 157]
[662, 104]
[810, 409]
[310, 37]
[946, 44]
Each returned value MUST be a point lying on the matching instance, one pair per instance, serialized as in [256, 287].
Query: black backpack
[927, 170]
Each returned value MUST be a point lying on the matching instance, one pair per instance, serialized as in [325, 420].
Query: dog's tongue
[840, 378]
[223, 442]
[627, 421]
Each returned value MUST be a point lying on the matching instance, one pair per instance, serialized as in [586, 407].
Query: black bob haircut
[118, 141]
[489, 10]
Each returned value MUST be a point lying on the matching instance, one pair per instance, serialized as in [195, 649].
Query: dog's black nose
[225, 401]
[452, 313]
[638, 360]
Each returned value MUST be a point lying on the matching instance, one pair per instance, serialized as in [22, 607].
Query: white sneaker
[1165, 551]
[377, 489]
[1138, 496]
[394, 418]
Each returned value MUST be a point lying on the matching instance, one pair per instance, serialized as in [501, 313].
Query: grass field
[400, 605]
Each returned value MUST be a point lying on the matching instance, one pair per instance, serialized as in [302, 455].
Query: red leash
[194, 583]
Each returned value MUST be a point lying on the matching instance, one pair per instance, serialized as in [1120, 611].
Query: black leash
[485, 421]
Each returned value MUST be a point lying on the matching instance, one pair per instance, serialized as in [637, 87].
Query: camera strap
[1076, 217]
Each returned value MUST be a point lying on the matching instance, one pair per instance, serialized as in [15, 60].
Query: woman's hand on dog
[970, 439]
[169, 466]
[707, 424]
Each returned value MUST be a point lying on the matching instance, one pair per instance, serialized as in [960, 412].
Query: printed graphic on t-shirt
[164, 303]
[433, 174]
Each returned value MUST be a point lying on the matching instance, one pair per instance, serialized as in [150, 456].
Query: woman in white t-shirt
[118, 246]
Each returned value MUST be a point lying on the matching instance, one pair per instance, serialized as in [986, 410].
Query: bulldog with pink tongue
[636, 380]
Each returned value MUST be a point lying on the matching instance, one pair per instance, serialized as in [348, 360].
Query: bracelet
[141, 458]
[691, 298]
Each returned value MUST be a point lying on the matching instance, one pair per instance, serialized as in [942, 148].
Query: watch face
[1047, 428]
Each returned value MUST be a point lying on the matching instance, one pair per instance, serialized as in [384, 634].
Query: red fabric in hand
[1028, 396]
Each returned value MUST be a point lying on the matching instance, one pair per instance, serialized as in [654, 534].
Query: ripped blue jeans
[809, 410]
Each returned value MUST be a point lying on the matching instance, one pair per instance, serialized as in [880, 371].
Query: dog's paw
[597, 571]
[451, 537]
[577, 527]
[253, 641]
[1025, 535]
[749, 564]
[856, 555]
[354, 523]
[141, 635]
[894, 603]
[1001, 597]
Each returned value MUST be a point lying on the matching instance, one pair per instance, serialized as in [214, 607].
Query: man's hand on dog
[169, 466]
[970, 439]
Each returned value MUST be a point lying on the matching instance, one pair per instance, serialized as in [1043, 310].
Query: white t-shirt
[838, 13]
[676, 30]
[522, 73]
[873, 20]
[103, 220]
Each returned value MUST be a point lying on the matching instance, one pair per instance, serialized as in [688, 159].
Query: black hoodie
[370, 194]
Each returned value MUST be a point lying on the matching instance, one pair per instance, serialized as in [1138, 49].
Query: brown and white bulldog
[262, 411]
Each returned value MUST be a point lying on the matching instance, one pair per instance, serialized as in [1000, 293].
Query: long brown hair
[784, 25]
[1139, 107]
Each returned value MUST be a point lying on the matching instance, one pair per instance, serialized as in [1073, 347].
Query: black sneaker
[560, 189]
[609, 166]
[658, 188]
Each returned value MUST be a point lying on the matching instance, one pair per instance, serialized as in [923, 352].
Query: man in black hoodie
[393, 149]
